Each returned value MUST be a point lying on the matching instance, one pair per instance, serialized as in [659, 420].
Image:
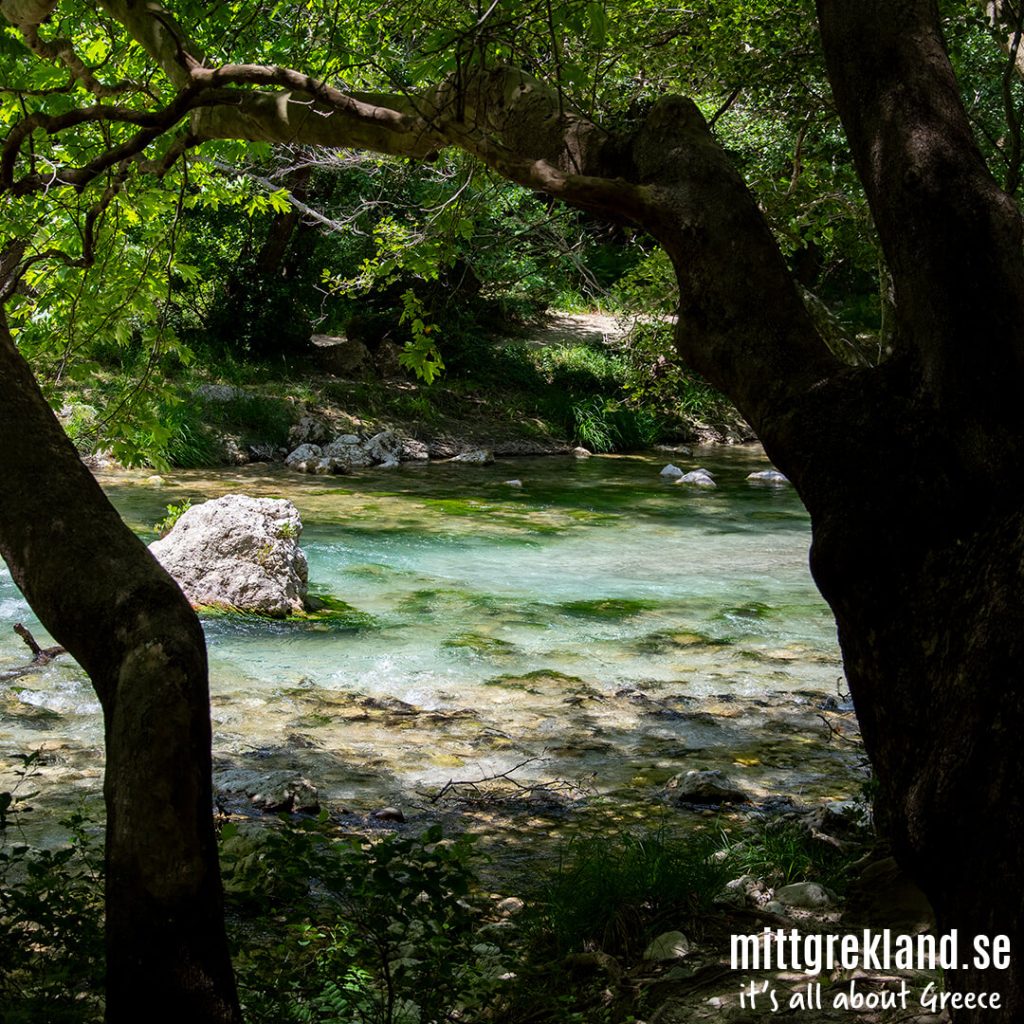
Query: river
[606, 626]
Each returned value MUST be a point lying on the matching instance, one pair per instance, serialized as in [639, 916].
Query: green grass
[781, 852]
[615, 893]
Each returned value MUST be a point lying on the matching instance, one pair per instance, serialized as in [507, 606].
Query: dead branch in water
[40, 655]
[471, 789]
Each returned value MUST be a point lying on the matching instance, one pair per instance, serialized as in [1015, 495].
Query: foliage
[655, 379]
[615, 894]
[378, 932]
[51, 925]
[174, 513]
[782, 851]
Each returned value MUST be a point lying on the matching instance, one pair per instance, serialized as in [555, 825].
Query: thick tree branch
[916, 155]
[155, 29]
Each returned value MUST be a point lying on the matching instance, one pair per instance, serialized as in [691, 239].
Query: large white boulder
[238, 552]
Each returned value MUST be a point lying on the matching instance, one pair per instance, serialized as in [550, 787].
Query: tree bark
[100, 593]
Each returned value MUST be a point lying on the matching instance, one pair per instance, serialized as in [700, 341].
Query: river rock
[475, 457]
[705, 787]
[262, 451]
[513, 483]
[384, 448]
[271, 792]
[340, 355]
[327, 466]
[234, 453]
[805, 896]
[304, 458]
[698, 478]
[768, 476]
[309, 430]
[388, 359]
[510, 906]
[581, 453]
[413, 450]
[350, 449]
[884, 896]
[389, 814]
[668, 946]
[671, 472]
[240, 553]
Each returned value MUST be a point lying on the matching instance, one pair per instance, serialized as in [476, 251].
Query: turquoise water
[516, 622]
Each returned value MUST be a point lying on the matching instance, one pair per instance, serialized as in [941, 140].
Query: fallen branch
[40, 655]
[550, 787]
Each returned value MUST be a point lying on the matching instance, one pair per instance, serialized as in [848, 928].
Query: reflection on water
[510, 622]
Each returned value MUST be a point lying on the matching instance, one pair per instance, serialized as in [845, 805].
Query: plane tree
[909, 468]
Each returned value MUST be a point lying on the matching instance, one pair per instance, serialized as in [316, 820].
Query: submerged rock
[475, 457]
[239, 553]
[270, 792]
[705, 787]
[698, 478]
[767, 476]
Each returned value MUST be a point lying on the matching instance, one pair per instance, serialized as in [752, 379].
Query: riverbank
[573, 381]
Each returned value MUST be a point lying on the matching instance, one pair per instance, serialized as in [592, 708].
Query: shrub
[51, 921]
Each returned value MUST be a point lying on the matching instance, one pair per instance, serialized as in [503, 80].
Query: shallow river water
[598, 622]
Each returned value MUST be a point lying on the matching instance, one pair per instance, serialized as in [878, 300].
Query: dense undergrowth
[399, 928]
[606, 397]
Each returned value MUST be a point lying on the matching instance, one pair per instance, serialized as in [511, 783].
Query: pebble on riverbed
[705, 787]
[388, 814]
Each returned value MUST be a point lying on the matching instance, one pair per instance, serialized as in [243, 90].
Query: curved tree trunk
[100, 593]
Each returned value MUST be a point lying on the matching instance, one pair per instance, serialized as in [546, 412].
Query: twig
[473, 783]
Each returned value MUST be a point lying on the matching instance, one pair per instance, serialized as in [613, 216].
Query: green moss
[478, 643]
[421, 602]
[460, 506]
[662, 641]
[606, 608]
[316, 720]
[533, 682]
[335, 614]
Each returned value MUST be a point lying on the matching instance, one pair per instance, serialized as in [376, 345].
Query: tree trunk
[100, 593]
[918, 528]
